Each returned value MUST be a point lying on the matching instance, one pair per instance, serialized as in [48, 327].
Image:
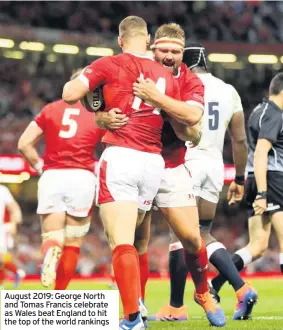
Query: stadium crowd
[259, 22]
[18, 105]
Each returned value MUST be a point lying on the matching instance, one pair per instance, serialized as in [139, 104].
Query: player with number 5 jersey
[66, 188]
[223, 111]
[70, 134]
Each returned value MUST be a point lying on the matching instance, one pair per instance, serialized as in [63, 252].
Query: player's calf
[49, 266]
[51, 248]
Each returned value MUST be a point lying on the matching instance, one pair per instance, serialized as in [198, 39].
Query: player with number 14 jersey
[143, 131]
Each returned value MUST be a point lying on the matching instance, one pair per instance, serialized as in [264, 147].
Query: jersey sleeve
[236, 101]
[98, 73]
[270, 125]
[193, 91]
[6, 195]
[40, 119]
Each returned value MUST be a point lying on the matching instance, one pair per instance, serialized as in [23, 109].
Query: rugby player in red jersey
[10, 218]
[66, 189]
[175, 198]
[131, 167]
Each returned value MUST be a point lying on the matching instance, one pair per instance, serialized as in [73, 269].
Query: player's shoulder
[225, 87]
[224, 84]
[103, 60]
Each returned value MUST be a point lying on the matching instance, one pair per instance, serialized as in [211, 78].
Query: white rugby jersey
[221, 102]
[5, 199]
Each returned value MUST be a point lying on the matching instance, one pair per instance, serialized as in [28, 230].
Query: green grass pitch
[268, 313]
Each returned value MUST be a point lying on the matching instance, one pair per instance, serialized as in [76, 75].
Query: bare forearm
[68, 94]
[102, 119]
[30, 154]
[260, 169]
[180, 111]
[187, 133]
[240, 156]
[73, 91]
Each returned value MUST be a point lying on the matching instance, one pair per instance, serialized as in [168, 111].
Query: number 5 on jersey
[213, 112]
[70, 125]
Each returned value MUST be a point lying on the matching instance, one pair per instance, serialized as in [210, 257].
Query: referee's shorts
[274, 192]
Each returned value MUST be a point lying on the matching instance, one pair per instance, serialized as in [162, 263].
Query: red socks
[144, 272]
[126, 269]
[197, 264]
[66, 267]
[2, 274]
[11, 267]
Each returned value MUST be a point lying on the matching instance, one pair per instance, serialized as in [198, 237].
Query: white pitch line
[268, 318]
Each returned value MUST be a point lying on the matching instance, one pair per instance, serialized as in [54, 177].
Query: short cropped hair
[132, 26]
[171, 30]
[276, 85]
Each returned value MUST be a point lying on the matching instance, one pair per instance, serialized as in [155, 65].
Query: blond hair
[171, 30]
[132, 26]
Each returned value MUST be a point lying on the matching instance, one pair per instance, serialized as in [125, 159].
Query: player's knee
[54, 237]
[258, 250]
[262, 249]
[74, 235]
[192, 243]
[205, 229]
[76, 231]
[141, 245]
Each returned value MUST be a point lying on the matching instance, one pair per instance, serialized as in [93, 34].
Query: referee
[264, 186]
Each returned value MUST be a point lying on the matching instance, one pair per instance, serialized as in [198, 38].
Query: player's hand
[115, 119]
[145, 90]
[235, 193]
[259, 206]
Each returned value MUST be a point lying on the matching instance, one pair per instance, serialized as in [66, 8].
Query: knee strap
[76, 231]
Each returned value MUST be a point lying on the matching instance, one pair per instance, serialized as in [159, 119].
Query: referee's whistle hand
[259, 206]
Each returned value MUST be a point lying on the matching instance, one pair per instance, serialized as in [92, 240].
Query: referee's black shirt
[266, 122]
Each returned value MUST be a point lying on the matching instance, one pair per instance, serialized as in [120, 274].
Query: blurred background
[42, 42]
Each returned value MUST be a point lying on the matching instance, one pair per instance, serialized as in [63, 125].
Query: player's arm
[184, 112]
[112, 119]
[26, 145]
[187, 133]
[260, 163]
[15, 213]
[74, 90]
[270, 125]
[239, 147]
[13, 209]
[239, 142]
[91, 77]
[260, 169]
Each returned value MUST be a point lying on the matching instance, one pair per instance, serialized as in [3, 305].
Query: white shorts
[66, 190]
[176, 189]
[3, 242]
[208, 177]
[129, 175]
